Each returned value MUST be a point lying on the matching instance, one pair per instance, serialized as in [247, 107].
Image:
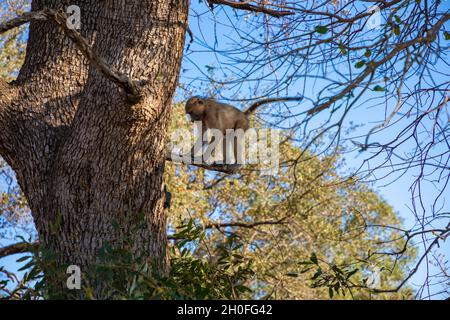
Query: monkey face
[195, 108]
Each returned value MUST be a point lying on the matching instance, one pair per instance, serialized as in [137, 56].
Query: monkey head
[195, 108]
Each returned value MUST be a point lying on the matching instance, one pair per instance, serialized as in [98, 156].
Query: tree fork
[132, 88]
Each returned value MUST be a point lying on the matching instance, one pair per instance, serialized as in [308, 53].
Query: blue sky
[396, 193]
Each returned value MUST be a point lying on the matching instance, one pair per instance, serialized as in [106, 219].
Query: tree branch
[249, 225]
[373, 65]
[131, 88]
[16, 248]
[25, 18]
[259, 103]
[225, 168]
[246, 5]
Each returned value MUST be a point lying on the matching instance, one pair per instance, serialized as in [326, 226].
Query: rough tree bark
[83, 154]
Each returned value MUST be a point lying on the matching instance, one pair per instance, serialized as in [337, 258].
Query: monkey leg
[229, 151]
[234, 151]
[214, 152]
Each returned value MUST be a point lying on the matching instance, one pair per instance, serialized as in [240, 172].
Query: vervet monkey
[223, 117]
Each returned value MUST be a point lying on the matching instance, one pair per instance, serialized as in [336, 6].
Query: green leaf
[446, 35]
[343, 48]
[321, 29]
[305, 270]
[368, 53]
[314, 258]
[396, 29]
[379, 89]
[360, 64]
[243, 288]
[22, 259]
[317, 274]
[26, 266]
[351, 273]
[292, 274]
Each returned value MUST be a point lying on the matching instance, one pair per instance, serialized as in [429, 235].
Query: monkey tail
[259, 103]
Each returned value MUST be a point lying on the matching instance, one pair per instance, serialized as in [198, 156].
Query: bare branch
[412, 272]
[191, 40]
[16, 248]
[246, 5]
[249, 225]
[25, 18]
[373, 65]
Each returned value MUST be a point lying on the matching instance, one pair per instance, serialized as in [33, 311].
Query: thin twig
[246, 5]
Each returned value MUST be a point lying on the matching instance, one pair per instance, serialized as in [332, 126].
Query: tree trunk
[83, 155]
